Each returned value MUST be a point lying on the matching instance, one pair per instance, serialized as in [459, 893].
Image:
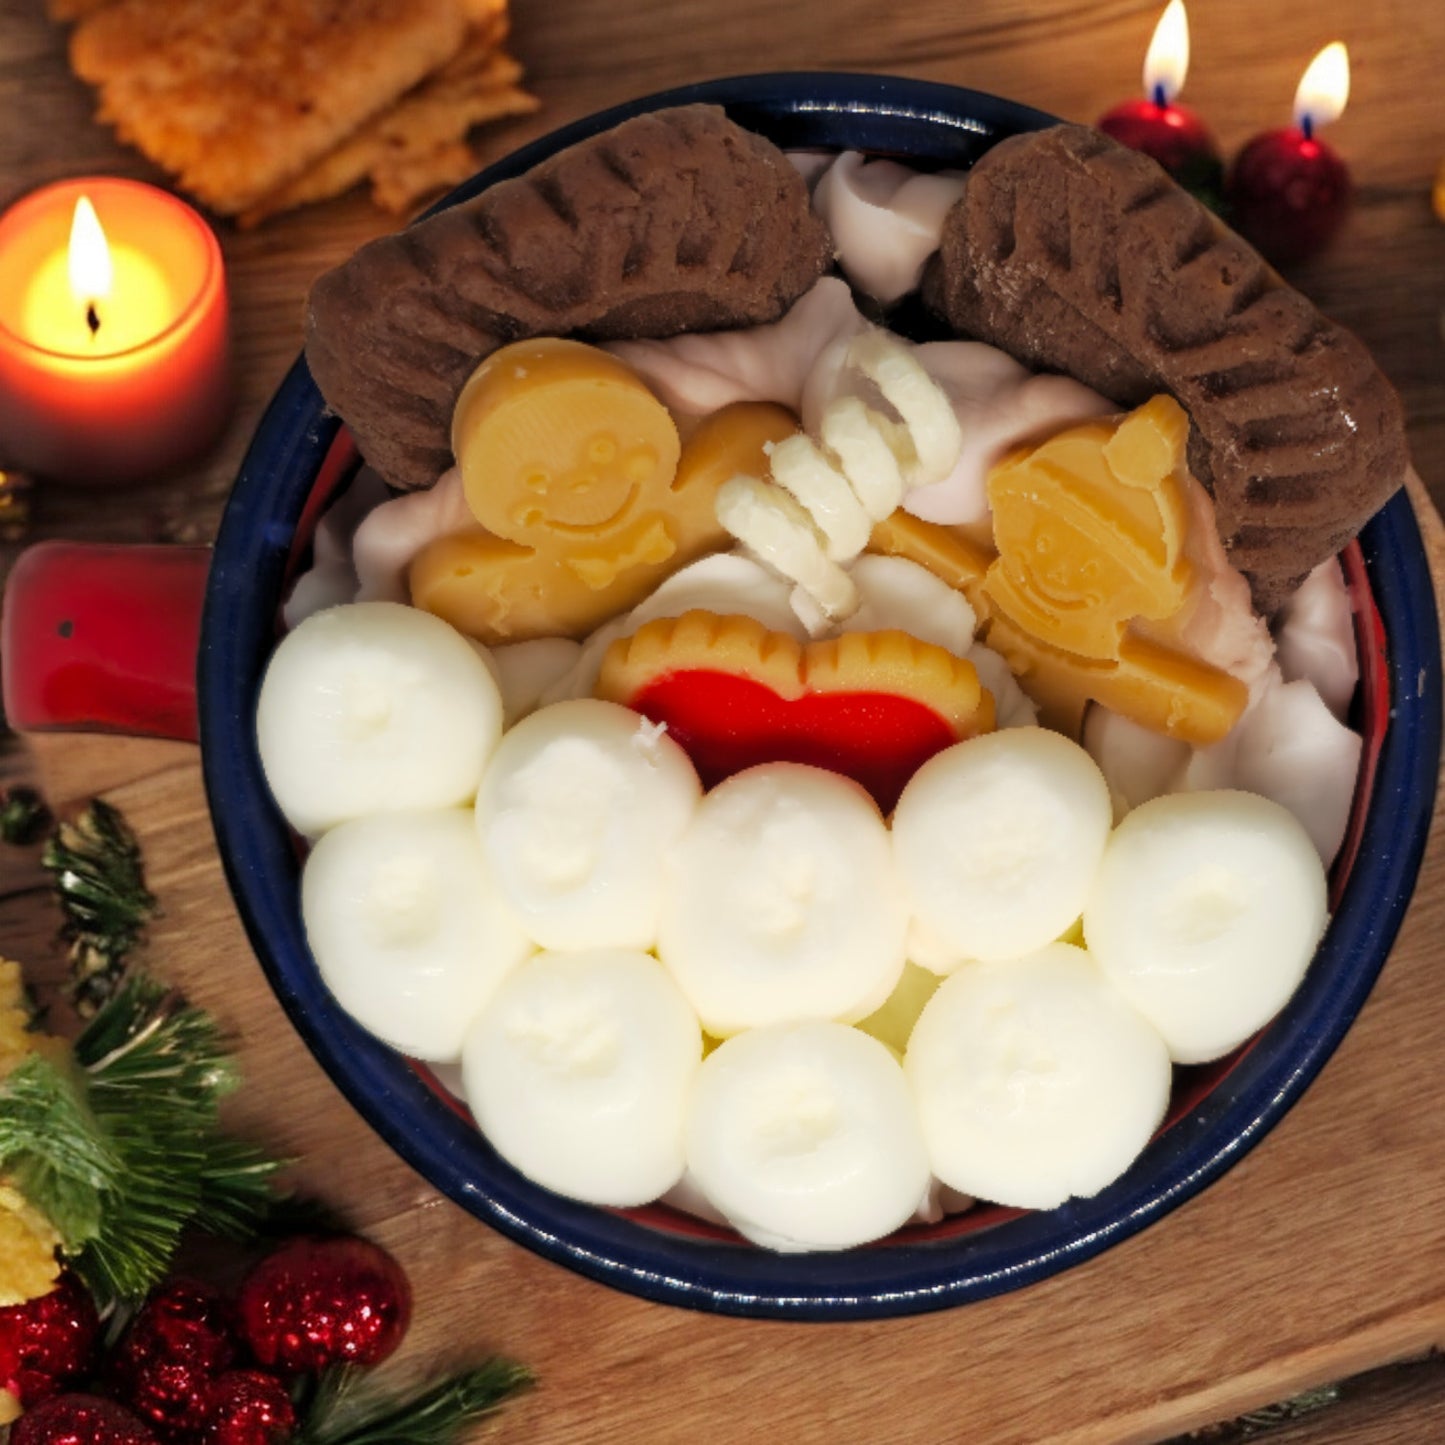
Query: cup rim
[278, 478]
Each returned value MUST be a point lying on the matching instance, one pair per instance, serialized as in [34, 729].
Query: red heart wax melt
[873, 706]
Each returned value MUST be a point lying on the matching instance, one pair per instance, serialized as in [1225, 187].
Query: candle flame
[1324, 88]
[1167, 61]
[90, 270]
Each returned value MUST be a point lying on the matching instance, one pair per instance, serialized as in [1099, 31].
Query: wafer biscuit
[237, 98]
[399, 183]
[416, 146]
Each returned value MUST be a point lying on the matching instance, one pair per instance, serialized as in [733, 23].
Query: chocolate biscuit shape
[1079, 256]
[674, 221]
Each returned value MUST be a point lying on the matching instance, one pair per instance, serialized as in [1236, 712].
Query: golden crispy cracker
[415, 147]
[237, 98]
[398, 184]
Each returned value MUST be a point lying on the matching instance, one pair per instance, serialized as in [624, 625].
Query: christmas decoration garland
[111, 1151]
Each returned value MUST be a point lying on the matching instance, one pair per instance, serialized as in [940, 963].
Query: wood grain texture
[1322, 1254]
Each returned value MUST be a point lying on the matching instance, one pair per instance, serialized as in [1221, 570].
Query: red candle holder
[141, 391]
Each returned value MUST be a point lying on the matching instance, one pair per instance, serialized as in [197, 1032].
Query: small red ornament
[48, 1343]
[249, 1407]
[183, 1321]
[319, 1302]
[181, 1339]
[1287, 195]
[173, 1398]
[79, 1420]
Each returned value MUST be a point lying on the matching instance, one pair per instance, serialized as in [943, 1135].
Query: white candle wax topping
[1324, 89]
[1167, 61]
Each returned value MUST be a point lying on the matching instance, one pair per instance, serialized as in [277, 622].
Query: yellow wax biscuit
[1162, 689]
[561, 444]
[1091, 527]
[586, 498]
[1090, 530]
[732, 440]
[499, 591]
[948, 554]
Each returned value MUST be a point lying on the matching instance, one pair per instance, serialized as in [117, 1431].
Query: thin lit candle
[1158, 125]
[1288, 191]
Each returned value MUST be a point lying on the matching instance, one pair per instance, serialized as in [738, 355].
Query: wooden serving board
[1320, 1255]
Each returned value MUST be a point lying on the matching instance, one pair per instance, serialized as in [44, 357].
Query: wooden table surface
[1058, 1362]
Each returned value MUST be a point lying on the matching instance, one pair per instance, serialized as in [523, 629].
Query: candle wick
[92, 319]
[1307, 126]
[1160, 99]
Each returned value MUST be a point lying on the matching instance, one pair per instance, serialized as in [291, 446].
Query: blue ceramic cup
[299, 456]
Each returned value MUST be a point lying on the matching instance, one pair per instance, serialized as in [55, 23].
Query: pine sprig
[96, 871]
[53, 1150]
[147, 1037]
[341, 1414]
[128, 1152]
[156, 1070]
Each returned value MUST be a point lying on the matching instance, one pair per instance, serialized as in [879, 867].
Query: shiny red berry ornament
[172, 1397]
[181, 1339]
[182, 1322]
[320, 1302]
[249, 1407]
[79, 1420]
[48, 1343]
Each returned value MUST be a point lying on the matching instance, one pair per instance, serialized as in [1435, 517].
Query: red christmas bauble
[319, 1302]
[182, 1322]
[249, 1407]
[180, 1340]
[79, 1420]
[172, 1397]
[48, 1343]
[1287, 194]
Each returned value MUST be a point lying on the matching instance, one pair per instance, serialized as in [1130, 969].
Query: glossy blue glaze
[943, 125]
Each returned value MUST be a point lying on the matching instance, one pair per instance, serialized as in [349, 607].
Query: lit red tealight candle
[114, 332]
[1158, 125]
[1288, 192]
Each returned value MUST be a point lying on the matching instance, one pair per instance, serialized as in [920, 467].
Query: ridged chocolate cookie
[674, 221]
[1079, 256]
